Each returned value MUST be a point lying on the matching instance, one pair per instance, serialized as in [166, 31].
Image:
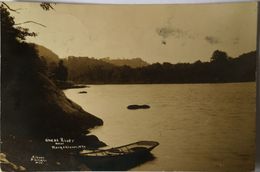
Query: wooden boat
[128, 152]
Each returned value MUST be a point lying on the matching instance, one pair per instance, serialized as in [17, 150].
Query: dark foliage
[60, 72]
[12, 47]
[220, 69]
[46, 6]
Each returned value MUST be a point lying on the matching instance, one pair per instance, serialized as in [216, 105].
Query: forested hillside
[220, 69]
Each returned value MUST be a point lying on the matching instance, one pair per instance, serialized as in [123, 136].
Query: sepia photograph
[98, 87]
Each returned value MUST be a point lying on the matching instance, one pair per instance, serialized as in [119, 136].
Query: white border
[136, 1]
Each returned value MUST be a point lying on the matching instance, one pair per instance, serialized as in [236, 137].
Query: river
[205, 127]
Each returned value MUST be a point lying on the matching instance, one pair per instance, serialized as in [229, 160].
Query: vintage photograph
[128, 87]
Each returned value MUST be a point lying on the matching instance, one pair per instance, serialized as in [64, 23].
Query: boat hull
[134, 154]
[117, 163]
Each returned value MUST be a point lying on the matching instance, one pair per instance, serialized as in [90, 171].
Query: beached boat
[131, 151]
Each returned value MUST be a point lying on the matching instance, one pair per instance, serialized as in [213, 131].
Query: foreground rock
[134, 107]
[6, 165]
[33, 108]
[38, 108]
[33, 103]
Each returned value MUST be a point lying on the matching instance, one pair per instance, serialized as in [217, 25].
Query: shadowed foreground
[33, 108]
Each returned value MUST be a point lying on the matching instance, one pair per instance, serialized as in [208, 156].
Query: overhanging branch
[9, 8]
[30, 22]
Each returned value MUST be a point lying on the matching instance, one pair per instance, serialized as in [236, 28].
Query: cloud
[212, 40]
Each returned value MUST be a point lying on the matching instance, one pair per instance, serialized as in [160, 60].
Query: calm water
[199, 126]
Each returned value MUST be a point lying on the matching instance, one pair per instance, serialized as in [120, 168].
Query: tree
[10, 34]
[13, 36]
[61, 72]
[219, 56]
[11, 31]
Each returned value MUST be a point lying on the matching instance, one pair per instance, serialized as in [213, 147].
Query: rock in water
[134, 107]
[82, 92]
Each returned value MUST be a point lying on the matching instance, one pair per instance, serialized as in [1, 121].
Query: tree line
[220, 69]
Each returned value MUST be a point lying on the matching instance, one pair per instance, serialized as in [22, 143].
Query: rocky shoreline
[35, 109]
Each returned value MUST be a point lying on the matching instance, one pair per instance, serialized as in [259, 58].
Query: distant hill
[48, 55]
[134, 63]
[78, 62]
[80, 67]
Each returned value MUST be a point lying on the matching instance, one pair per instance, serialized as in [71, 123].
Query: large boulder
[135, 107]
[33, 106]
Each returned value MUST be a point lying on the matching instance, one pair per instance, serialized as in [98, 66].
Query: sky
[155, 33]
